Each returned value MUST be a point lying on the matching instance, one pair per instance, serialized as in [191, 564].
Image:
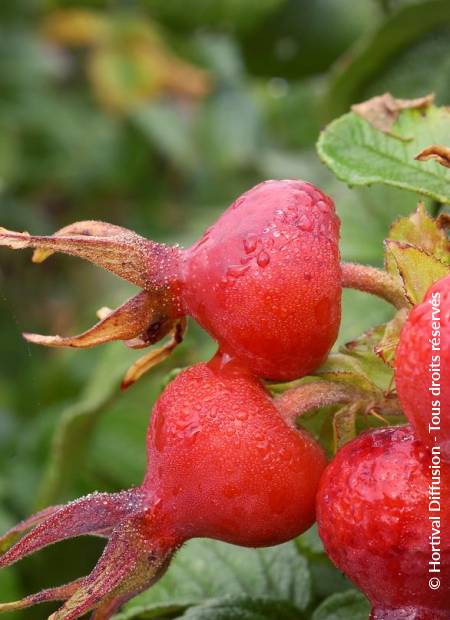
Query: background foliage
[154, 115]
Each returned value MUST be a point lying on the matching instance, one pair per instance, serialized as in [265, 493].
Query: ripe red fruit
[222, 463]
[423, 368]
[264, 280]
[374, 519]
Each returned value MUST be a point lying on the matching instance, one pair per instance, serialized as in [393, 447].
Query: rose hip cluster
[265, 282]
[383, 506]
[223, 462]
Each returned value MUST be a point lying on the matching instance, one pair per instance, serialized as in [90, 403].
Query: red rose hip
[265, 279]
[378, 526]
[423, 368]
[222, 463]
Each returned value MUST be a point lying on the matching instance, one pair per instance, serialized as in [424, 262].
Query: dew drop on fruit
[236, 271]
[305, 223]
[242, 415]
[263, 259]
[269, 242]
[237, 203]
[250, 243]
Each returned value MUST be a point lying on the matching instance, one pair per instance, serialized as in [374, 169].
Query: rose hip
[222, 463]
[423, 368]
[378, 526]
[264, 280]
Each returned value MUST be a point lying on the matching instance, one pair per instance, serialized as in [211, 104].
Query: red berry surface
[374, 519]
[222, 463]
[265, 279]
[225, 464]
[423, 367]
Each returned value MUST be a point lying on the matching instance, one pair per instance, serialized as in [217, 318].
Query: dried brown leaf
[436, 151]
[382, 111]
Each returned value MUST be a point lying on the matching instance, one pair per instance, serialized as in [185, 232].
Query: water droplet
[236, 271]
[237, 203]
[263, 259]
[269, 242]
[291, 215]
[305, 223]
[308, 276]
[279, 215]
[250, 243]
[322, 206]
[246, 259]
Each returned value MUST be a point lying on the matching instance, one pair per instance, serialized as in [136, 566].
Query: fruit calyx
[143, 319]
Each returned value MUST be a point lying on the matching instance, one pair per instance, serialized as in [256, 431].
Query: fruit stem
[304, 398]
[373, 281]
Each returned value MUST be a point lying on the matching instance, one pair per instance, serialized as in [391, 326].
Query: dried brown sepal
[147, 264]
[128, 321]
[436, 151]
[382, 111]
[156, 356]
[443, 221]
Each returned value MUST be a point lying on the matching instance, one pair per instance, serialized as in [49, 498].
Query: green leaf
[387, 345]
[349, 605]
[417, 269]
[243, 609]
[422, 231]
[347, 368]
[363, 351]
[376, 51]
[360, 154]
[78, 421]
[205, 569]
[326, 579]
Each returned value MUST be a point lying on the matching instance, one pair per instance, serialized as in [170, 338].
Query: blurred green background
[155, 115]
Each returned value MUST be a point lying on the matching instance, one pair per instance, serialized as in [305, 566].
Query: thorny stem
[373, 281]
